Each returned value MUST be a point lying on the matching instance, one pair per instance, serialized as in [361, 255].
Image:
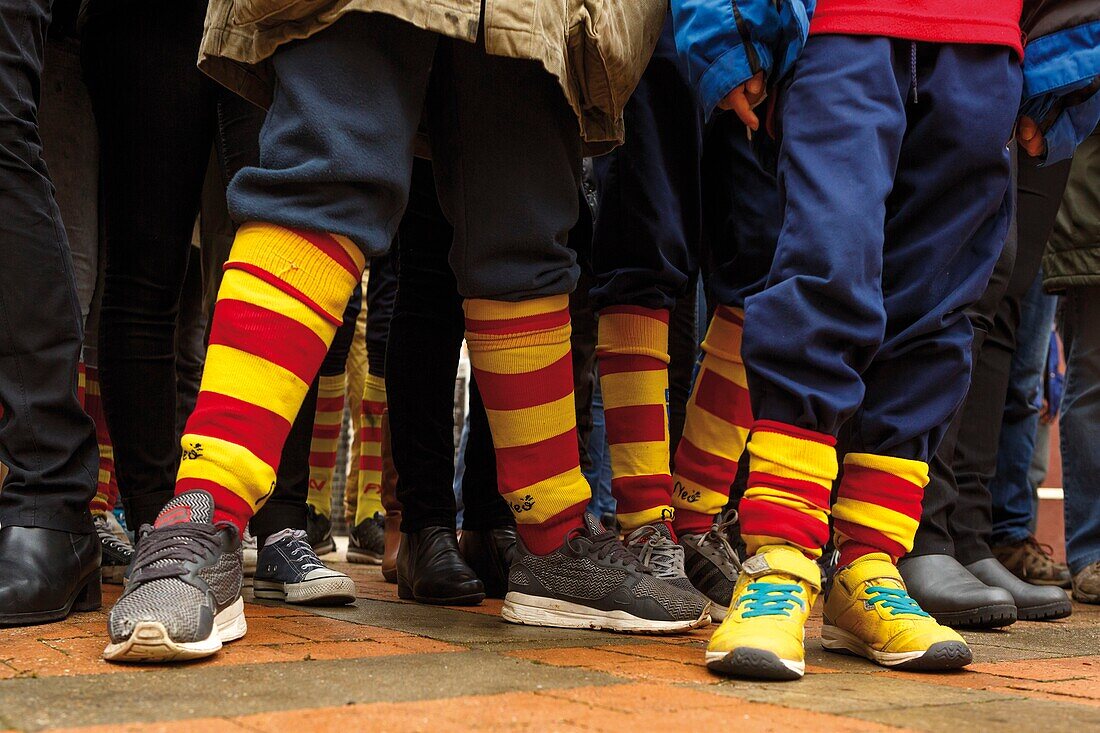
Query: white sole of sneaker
[520, 608]
[835, 639]
[150, 642]
[363, 557]
[319, 591]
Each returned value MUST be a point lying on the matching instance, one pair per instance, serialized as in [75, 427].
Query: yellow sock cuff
[723, 338]
[632, 331]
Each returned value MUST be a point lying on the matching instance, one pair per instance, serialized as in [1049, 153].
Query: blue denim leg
[1080, 425]
[1011, 490]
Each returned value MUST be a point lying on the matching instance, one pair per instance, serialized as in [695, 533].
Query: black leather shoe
[954, 597]
[1033, 602]
[47, 574]
[430, 569]
[489, 553]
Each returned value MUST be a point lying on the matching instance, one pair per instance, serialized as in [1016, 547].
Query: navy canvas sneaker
[288, 569]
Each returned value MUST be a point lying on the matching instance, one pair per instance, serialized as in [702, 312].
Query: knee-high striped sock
[280, 302]
[357, 375]
[717, 425]
[106, 494]
[878, 505]
[369, 501]
[633, 360]
[327, 422]
[521, 360]
[791, 474]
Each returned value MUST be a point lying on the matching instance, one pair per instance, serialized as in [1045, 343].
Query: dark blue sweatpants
[895, 197]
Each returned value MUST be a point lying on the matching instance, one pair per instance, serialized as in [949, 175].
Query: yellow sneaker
[763, 633]
[868, 612]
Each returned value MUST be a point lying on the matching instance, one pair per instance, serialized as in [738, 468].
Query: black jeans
[956, 509]
[46, 440]
[421, 362]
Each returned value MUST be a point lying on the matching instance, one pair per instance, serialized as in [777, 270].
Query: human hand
[1030, 138]
[743, 98]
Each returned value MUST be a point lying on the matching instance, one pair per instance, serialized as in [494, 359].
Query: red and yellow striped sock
[716, 427]
[521, 360]
[633, 359]
[369, 501]
[791, 474]
[106, 494]
[280, 302]
[327, 423]
[878, 506]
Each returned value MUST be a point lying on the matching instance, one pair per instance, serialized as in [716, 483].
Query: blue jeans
[1013, 502]
[599, 475]
[1080, 425]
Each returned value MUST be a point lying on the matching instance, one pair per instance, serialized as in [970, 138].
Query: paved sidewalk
[387, 665]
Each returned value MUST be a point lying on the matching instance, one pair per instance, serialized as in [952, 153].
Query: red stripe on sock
[635, 424]
[330, 404]
[522, 465]
[373, 408]
[328, 244]
[657, 314]
[523, 324]
[326, 432]
[526, 389]
[371, 435]
[323, 460]
[725, 399]
[884, 489]
[729, 316]
[544, 538]
[806, 490]
[638, 493]
[765, 518]
[261, 274]
[690, 522]
[370, 463]
[619, 363]
[866, 536]
[259, 430]
[695, 464]
[772, 426]
[269, 335]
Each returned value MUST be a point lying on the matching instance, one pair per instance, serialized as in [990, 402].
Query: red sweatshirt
[995, 22]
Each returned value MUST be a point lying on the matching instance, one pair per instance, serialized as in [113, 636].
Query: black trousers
[421, 362]
[46, 440]
[956, 516]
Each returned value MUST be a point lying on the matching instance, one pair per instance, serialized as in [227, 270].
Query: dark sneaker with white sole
[319, 531]
[593, 582]
[289, 570]
[117, 552]
[183, 599]
[367, 541]
[712, 565]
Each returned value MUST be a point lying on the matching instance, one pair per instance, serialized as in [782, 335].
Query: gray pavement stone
[1008, 714]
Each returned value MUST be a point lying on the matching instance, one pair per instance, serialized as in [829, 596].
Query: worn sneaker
[1086, 584]
[367, 541]
[289, 570]
[1032, 561]
[249, 553]
[319, 531]
[712, 565]
[184, 596]
[763, 634]
[868, 612]
[117, 553]
[654, 546]
[593, 582]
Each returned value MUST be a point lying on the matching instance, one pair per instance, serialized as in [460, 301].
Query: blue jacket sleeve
[725, 42]
[1071, 128]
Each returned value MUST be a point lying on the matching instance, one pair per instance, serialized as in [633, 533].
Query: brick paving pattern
[386, 665]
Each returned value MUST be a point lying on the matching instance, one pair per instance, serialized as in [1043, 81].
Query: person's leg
[48, 548]
[322, 197]
[512, 204]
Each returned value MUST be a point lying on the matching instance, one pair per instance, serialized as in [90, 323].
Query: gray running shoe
[712, 565]
[117, 553]
[289, 570]
[184, 596]
[593, 582]
[367, 541]
[654, 546]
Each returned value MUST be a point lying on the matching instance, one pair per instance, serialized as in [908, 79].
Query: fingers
[741, 106]
[754, 88]
[1030, 138]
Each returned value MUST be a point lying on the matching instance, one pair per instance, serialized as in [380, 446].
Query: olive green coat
[597, 49]
[1073, 252]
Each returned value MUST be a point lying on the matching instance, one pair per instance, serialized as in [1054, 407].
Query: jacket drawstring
[913, 68]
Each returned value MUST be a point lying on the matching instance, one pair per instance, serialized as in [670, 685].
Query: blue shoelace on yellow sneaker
[771, 599]
[897, 600]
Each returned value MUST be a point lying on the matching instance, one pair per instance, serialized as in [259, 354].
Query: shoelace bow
[771, 599]
[163, 552]
[896, 600]
[1043, 550]
[606, 546]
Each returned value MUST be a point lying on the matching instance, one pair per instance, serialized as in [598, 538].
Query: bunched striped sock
[716, 427]
[633, 361]
[878, 506]
[328, 420]
[369, 501]
[280, 302]
[106, 495]
[791, 474]
[520, 356]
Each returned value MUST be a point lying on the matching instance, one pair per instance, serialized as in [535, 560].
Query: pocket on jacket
[272, 12]
[609, 47]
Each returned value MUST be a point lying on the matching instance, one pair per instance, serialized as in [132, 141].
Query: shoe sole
[405, 593]
[325, 548]
[150, 641]
[363, 557]
[757, 664]
[521, 608]
[985, 617]
[942, 655]
[334, 591]
[1045, 612]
